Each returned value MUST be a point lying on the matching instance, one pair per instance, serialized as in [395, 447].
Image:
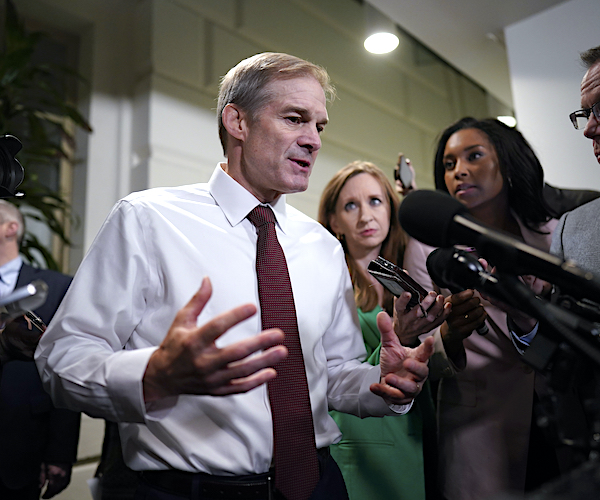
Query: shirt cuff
[521, 341]
[401, 409]
[125, 374]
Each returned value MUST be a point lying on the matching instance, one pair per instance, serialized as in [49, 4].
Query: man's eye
[293, 119]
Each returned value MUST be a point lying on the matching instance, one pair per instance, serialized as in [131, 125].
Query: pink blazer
[484, 401]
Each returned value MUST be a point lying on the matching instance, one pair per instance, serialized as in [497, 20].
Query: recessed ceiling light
[381, 43]
[511, 121]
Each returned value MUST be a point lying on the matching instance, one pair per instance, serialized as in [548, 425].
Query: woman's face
[362, 215]
[472, 172]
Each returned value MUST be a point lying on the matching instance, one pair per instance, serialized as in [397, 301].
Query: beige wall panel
[474, 99]
[225, 12]
[142, 39]
[427, 68]
[229, 49]
[346, 15]
[178, 43]
[431, 109]
[370, 131]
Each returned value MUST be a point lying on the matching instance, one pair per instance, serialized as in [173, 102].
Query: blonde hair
[392, 247]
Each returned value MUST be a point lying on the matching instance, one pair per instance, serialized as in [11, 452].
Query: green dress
[382, 458]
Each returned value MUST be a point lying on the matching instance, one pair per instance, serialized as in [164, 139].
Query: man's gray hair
[590, 57]
[245, 84]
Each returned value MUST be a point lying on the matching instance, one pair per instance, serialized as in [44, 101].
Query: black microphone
[11, 171]
[437, 219]
[451, 268]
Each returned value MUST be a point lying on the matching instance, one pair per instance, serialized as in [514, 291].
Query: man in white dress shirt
[187, 378]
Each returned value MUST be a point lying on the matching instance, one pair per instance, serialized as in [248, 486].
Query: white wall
[545, 70]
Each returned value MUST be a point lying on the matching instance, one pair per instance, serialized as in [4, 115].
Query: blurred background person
[488, 438]
[39, 442]
[385, 457]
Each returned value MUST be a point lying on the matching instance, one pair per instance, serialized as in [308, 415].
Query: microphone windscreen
[427, 216]
[438, 262]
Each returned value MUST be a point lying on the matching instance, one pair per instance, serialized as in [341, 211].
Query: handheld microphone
[437, 219]
[448, 268]
[23, 299]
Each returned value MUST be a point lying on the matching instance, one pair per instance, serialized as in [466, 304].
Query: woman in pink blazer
[487, 443]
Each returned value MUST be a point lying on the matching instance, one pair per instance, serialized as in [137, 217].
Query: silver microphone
[23, 299]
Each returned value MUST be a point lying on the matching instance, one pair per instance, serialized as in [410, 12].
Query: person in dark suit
[39, 442]
[561, 200]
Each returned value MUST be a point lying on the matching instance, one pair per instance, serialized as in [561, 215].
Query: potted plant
[35, 109]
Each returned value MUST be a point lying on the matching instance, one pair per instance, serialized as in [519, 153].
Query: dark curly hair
[521, 170]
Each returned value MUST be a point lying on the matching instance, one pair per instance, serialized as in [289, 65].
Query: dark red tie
[296, 462]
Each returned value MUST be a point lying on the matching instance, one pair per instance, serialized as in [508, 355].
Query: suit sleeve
[63, 425]
[63, 436]
[557, 238]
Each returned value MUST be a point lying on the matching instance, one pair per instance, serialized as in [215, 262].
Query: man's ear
[12, 228]
[235, 121]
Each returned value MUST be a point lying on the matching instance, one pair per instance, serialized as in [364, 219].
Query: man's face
[590, 95]
[281, 144]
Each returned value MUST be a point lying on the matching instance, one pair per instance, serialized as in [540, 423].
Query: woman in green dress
[390, 457]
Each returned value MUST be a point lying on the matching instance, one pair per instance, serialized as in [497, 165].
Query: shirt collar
[237, 202]
[10, 271]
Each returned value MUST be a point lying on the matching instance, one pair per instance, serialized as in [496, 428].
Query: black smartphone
[396, 280]
[403, 173]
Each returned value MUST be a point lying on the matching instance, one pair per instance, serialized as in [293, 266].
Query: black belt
[250, 487]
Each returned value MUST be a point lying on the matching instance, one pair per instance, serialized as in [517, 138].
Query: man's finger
[238, 360]
[188, 313]
[424, 351]
[246, 384]
[211, 331]
[386, 328]
[404, 393]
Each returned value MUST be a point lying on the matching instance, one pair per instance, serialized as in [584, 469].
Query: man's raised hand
[188, 361]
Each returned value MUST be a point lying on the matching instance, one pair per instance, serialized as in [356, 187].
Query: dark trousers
[331, 486]
[31, 492]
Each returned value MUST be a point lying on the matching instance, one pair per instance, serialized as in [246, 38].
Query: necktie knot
[259, 216]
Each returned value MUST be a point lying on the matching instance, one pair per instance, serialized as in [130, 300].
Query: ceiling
[467, 33]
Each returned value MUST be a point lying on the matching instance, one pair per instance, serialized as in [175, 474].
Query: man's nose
[311, 140]
[591, 129]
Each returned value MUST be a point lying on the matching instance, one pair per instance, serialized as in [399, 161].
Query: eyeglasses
[581, 117]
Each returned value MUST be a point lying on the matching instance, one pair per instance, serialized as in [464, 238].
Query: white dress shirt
[148, 259]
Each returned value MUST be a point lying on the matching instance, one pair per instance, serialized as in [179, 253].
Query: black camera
[11, 171]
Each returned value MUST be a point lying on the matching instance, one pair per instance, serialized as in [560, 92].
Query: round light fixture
[381, 43]
[511, 121]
